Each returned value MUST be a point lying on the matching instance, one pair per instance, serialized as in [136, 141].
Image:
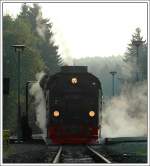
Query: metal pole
[113, 85]
[137, 76]
[18, 48]
[137, 43]
[113, 81]
[19, 109]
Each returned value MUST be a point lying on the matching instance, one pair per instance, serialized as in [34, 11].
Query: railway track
[79, 154]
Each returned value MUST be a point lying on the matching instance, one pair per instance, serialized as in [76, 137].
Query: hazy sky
[91, 29]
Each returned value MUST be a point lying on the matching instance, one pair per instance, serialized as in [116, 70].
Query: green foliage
[131, 55]
[40, 53]
[8, 150]
[6, 135]
[42, 29]
[10, 111]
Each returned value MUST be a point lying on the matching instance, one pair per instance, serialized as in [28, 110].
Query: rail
[94, 156]
[57, 157]
[99, 156]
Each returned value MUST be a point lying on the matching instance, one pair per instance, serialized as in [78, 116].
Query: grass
[136, 148]
[7, 150]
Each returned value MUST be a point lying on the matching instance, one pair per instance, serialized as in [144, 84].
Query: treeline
[126, 66]
[35, 32]
[101, 67]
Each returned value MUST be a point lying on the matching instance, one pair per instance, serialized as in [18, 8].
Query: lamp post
[137, 43]
[18, 49]
[113, 82]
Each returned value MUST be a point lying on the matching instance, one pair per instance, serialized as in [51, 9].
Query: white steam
[128, 70]
[40, 28]
[40, 104]
[64, 49]
[66, 56]
[58, 39]
[126, 115]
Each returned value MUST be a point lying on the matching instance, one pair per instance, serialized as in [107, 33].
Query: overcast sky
[91, 29]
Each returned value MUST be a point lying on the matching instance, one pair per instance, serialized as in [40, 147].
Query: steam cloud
[67, 58]
[40, 28]
[40, 104]
[58, 39]
[126, 115]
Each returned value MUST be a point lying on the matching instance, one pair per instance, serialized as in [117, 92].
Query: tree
[41, 28]
[131, 55]
[16, 31]
[40, 53]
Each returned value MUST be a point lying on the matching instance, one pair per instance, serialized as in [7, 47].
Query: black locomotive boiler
[74, 103]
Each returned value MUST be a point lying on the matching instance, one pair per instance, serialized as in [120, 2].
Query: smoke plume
[40, 104]
[67, 58]
[40, 27]
[58, 39]
[126, 115]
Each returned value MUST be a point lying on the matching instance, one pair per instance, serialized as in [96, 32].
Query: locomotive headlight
[56, 113]
[74, 80]
[91, 113]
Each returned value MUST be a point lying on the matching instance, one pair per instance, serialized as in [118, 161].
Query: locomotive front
[74, 101]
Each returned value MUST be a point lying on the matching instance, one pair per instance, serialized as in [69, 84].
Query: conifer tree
[132, 58]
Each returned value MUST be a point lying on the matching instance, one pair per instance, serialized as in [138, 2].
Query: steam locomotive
[73, 103]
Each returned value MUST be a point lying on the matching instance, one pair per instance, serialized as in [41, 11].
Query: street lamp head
[19, 47]
[113, 72]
